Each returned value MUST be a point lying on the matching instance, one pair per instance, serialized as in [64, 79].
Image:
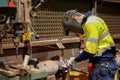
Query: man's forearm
[84, 55]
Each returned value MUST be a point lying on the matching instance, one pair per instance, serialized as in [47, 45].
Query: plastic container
[75, 75]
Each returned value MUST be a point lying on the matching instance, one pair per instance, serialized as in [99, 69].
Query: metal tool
[34, 8]
[16, 43]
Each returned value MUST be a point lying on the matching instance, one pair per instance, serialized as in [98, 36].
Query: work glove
[62, 63]
[71, 62]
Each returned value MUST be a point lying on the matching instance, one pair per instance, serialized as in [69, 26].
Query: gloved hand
[71, 62]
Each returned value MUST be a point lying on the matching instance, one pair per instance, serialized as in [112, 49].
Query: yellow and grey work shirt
[96, 35]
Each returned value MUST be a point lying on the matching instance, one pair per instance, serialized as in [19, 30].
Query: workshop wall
[110, 12]
[48, 23]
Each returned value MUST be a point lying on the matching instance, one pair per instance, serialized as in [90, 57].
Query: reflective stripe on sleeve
[104, 34]
[92, 39]
[101, 37]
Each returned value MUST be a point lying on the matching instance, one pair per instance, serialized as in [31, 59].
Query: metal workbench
[32, 76]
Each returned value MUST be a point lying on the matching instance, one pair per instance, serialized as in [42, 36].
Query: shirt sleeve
[82, 56]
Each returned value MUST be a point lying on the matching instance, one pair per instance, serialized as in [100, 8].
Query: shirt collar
[86, 16]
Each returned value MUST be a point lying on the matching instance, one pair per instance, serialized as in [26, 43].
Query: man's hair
[77, 14]
[71, 13]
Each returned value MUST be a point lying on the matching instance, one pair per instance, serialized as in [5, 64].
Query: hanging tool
[34, 8]
[16, 44]
[36, 35]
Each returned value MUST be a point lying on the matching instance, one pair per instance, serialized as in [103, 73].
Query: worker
[99, 45]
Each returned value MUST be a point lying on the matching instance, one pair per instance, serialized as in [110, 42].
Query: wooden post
[1, 49]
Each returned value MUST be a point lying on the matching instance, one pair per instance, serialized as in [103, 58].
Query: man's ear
[76, 18]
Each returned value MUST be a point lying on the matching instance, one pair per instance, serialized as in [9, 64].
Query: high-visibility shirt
[99, 45]
[96, 36]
